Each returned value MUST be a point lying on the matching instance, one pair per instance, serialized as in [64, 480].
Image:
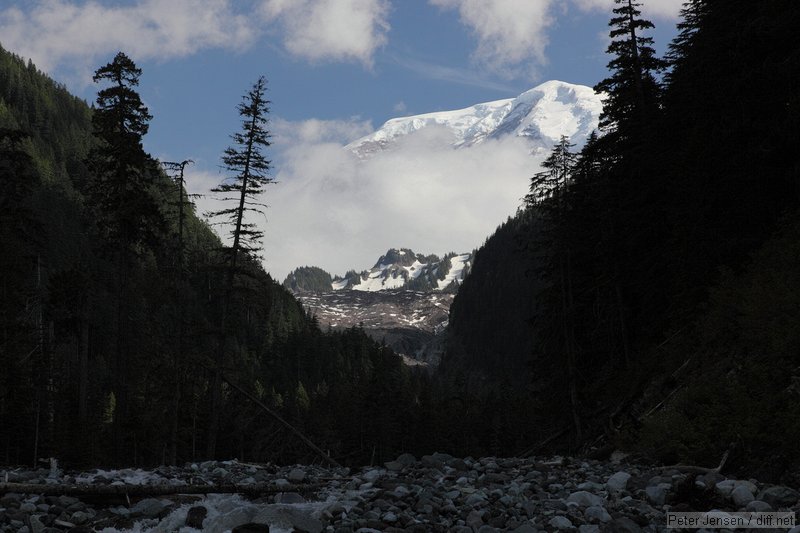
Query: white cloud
[316, 131]
[332, 210]
[53, 32]
[338, 30]
[77, 33]
[512, 34]
[656, 9]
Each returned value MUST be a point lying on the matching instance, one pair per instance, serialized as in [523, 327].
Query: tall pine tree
[632, 88]
[121, 198]
[249, 167]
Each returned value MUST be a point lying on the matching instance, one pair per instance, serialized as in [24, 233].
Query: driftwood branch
[691, 469]
[256, 489]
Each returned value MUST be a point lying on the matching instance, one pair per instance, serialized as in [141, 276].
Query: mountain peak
[541, 115]
[398, 268]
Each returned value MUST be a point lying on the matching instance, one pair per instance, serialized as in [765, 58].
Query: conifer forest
[645, 297]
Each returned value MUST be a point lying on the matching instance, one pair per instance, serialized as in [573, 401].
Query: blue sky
[336, 69]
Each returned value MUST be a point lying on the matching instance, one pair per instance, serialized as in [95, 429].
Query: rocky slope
[410, 322]
[436, 493]
[404, 299]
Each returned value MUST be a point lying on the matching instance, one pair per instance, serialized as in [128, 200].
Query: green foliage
[308, 279]
[55, 279]
[659, 219]
[120, 192]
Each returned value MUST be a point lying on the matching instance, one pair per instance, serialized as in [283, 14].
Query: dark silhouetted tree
[120, 196]
[249, 167]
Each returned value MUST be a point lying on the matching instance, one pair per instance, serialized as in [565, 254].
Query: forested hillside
[667, 314]
[645, 297]
[110, 318]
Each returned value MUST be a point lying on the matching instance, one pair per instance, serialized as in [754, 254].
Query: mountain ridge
[541, 115]
[397, 269]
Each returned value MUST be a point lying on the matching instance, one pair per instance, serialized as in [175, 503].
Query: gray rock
[36, 524]
[79, 517]
[195, 516]
[757, 506]
[585, 499]
[779, 496]
[476, 498]
[394, 466]
[725, 487]
[712, 478]
[741, 496]
[560, 522]
[474, 519]
[795, 529]
[296, 475]
[622, 525]
[287, 517]
[618, 481]
[289, 497]
[657, 495]
[597, 514]
[458, 464]
[370, 476]
[588, 528]
[406, 459]
[151, 508]
[591, 486]
[27, 507]
[526, 528]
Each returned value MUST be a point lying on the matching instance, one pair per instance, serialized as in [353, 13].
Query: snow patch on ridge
[541, 115]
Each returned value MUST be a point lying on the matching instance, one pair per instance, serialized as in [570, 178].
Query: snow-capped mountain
[397, 269]
[403, 300]
[403, 269]
[541, 115]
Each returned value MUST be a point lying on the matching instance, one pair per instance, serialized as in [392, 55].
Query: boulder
[618, 481]
[287, 517]
[560, 522]
[657, 494]
[741, 496]
[296, 475]
[585, 499]
[757, 506]
[779, 496]
[151, 508]
[195, 516]
[406, 459]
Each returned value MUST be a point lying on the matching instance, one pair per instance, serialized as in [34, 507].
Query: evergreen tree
[20, 304]
[549, 195]
[250, 167]
[632, 88]
[123, 174]
[121, 198]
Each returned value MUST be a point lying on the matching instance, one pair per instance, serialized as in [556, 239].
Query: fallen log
[256, 489]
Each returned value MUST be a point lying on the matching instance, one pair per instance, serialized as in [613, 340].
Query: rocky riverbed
[435, 493]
